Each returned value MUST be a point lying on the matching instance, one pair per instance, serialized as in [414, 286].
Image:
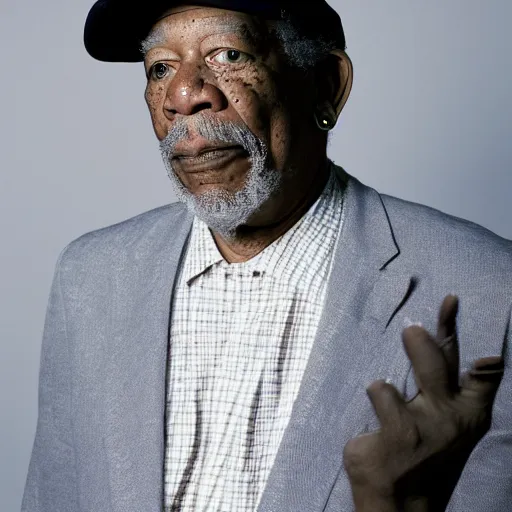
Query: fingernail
[410, 323]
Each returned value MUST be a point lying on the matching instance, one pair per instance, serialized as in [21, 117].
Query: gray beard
[221, 210]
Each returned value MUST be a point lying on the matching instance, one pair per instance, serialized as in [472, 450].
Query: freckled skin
[262, 92]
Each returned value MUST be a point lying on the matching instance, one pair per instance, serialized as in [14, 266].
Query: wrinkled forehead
[180, 20]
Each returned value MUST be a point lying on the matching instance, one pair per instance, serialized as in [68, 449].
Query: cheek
[254, 99]
[267, 105]
[155, 97]
[280, 137]
[292, 119]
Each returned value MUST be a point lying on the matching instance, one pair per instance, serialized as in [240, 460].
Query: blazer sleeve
[51, 484]
[486, 482]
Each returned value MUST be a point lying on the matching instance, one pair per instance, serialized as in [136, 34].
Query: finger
[391, 410]
[447, 338]
[360, 450]
[481, 383]
[430, 367]
[446, 325]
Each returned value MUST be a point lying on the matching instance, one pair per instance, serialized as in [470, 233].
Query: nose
[188, 93]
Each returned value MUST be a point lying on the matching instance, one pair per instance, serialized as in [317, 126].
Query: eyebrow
[157, 36]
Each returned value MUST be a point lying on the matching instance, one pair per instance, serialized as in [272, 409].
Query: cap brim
[114, 29]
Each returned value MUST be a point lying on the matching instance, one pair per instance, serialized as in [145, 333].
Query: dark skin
[414, 461]
[191, 71]
[260, 91]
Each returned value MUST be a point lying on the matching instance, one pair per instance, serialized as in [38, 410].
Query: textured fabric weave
[99, 442]
[241, 335]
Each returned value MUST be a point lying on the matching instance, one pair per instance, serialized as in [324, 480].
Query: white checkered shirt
[241, 334]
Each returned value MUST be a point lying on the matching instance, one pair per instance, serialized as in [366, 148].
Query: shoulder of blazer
[425, 234]
[133, 239]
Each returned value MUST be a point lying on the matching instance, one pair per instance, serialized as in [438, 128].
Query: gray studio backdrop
[429, 120]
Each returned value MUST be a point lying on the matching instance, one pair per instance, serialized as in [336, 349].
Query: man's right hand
[414, 461]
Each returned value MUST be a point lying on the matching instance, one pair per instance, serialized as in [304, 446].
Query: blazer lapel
[348, 353]
[135, 364]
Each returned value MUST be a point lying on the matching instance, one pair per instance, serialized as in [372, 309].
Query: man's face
[216, 80]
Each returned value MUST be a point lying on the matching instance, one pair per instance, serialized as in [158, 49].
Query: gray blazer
[99, 443]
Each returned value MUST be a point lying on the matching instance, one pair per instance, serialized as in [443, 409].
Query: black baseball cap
[114, 29]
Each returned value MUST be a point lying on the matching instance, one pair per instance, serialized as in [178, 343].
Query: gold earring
[325, 117]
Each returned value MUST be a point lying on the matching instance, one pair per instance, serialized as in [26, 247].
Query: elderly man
[215, 356]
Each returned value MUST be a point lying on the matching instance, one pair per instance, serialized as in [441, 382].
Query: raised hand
[414, 461]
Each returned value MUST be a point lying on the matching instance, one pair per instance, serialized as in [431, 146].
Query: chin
[223, 210]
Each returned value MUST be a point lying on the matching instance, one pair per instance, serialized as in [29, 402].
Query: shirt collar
[203, 253]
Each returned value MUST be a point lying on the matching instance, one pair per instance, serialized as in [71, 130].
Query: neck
[251, 240]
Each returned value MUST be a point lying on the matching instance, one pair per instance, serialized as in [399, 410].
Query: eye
[158, 71]
[230, 57]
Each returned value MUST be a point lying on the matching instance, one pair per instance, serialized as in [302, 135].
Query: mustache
[214, 131]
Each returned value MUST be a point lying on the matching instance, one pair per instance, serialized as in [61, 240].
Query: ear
[334, 80]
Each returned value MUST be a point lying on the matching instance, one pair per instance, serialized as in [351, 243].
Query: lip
[210, 160]
[194, 150]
